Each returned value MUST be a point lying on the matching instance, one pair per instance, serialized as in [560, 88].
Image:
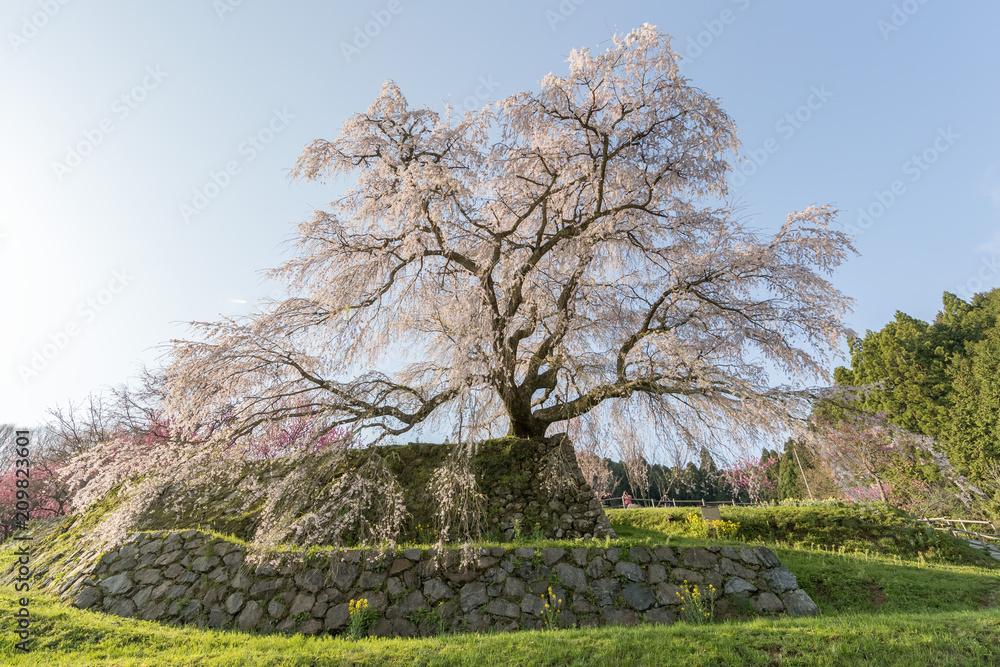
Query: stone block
[798, 603]
[87, 598]
[638, 597]
[344, 575]
[665, 555]
[605, 591]
[702, 559]
[597, 567]
[124, 608]
[767, 557]
[142, 597]
[682, 575]
[780, 579]
[234, 602]
[661, 616]
[768, 603]
[739, 587]
[655, 573]
[731, 568]
[437, 590]
[473, 595]
[400, 565]
[218, 617]
[552, 555]
[310, 627]
[234, 560]
[276, 609]
[629, 571]
[149, 577]
[502, 607]
[205, 563]
[118, 584]
[533, 605]
[250, 616]
[153, 610]
[639, 555]
[337, 617]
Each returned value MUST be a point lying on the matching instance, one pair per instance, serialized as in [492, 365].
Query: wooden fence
[616, 503]
[945, 523]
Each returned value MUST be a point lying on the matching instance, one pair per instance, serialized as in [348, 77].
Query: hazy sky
[145, 146]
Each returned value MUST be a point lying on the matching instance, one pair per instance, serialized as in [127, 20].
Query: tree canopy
[559, 254]
[939, 379]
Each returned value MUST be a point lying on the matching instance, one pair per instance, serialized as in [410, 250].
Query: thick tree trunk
[531, 429]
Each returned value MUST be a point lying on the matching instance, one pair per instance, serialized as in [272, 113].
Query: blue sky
[119, 120]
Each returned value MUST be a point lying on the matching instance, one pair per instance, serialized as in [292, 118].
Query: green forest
[938, 379]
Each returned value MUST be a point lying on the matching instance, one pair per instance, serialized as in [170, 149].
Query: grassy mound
[236, 509]
[878, 608]
[234, 505]
[833, 526]
[66, 636]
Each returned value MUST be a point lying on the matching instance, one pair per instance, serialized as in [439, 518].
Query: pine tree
[789, 478]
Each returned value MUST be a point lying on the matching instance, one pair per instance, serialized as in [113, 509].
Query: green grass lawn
[896, 604]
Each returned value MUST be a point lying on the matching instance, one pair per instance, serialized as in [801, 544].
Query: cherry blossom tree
[36, 490]
[636, 468]
[751, 475]
[129, 451]
[47, 496]
[591, 455]
[564, 253]
[873, 459]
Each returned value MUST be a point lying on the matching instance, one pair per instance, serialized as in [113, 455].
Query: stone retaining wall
[196, 578]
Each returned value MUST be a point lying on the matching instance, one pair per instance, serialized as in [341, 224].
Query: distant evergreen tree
[619, 477]
[772, 473]
[788, 473]
[940, 379]
[693, 482]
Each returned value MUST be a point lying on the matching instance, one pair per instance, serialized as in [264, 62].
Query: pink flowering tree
[752, 476]
[45, 496]
[291, 436]
[37, 489]
[146, 461]
[155, 446]
[873, 459]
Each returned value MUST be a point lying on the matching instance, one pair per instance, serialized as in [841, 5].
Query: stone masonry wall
[196, 578]
[517, 489]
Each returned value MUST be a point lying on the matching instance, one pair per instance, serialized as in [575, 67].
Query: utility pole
[802, 471]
